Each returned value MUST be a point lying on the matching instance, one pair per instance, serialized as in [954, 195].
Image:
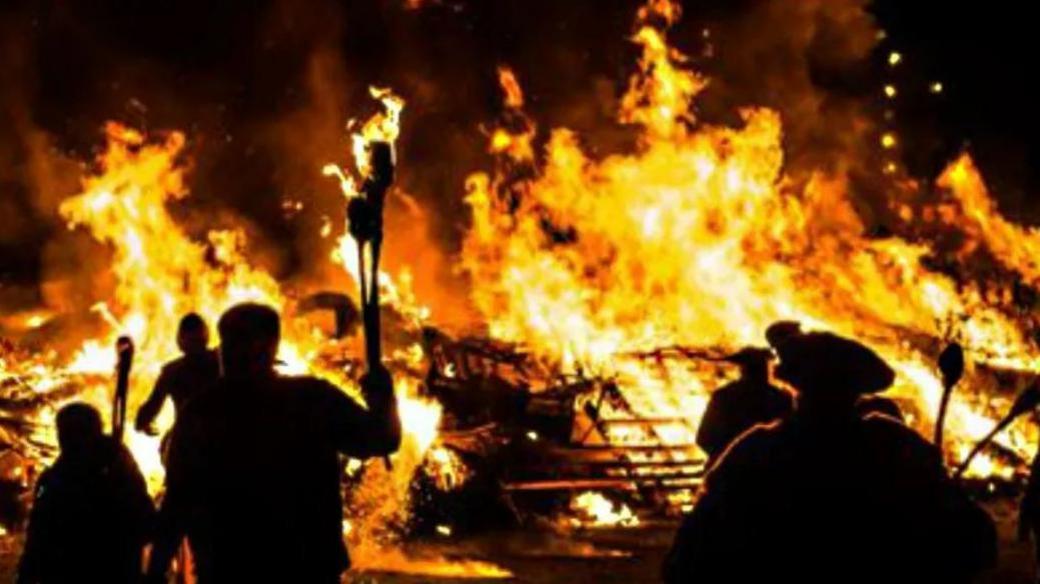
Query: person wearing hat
[827, 495]
[742, 404]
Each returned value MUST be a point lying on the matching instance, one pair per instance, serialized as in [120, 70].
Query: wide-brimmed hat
[825, 361]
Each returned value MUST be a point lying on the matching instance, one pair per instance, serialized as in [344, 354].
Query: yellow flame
[598, 511]
[698, 239]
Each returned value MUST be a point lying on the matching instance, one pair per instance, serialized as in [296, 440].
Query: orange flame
[698, 239]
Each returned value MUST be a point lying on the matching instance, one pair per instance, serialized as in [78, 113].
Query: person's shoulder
[174, 365]
[760, 436]
[885, 426]
[116, 453]
[780, 393]
[305, 383]
[309, 387]
[47, 478]
[752, 447]
[887, 432]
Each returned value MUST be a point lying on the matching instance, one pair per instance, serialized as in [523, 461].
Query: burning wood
[606, 288]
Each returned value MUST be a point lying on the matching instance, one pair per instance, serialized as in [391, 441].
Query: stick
[1026, 401]
[951, 363]
[125, 352]
[365, 216]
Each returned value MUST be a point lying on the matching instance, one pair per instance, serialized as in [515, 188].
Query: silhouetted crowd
[252, 471]
[818, 481]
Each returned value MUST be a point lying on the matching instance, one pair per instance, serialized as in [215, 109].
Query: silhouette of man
[91, 514]
[253, 475]
[828, 495]
[738, 406]
[183, 378]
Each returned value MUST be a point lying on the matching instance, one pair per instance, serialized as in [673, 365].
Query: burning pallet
[557, 436]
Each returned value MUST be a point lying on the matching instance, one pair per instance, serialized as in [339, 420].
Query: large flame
[698, 239]
[160, 273]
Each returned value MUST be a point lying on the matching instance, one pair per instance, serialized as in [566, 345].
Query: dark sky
[263, 87]
[985, 53]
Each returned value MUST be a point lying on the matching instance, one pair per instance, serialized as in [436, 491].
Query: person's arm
[151, 407]
[41, 525]
[361, 432]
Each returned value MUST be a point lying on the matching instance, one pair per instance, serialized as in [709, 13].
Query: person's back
[253, 469]
[90, 518]
[742, 404]
[264, 464]
[828, 495]
[737, 407]
[862, 502]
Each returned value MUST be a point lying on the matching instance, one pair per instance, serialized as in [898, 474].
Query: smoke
[811, 62]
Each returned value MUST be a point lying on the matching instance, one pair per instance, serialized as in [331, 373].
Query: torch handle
[373, 322]
[125, 353]
[980, 445]
[940, 419]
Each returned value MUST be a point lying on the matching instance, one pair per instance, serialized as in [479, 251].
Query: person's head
[249, 336]
[829, 372]
[79, 430]
[192, 334]
[781, 331]
[753, 362]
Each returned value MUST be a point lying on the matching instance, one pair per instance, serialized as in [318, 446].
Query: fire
[699, 239]
[597, 511]
[159, 273]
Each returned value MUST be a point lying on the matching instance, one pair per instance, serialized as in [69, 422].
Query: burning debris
[603, 282]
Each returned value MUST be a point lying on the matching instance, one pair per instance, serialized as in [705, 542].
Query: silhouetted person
[91, 513]
[253, 474]
[742, 404]
[183, 378]
[829, 496]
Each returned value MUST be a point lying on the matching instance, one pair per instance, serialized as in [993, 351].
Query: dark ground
[544, 558]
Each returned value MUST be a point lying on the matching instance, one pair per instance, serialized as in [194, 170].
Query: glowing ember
[595, 510]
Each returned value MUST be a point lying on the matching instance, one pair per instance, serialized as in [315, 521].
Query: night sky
[263, 88]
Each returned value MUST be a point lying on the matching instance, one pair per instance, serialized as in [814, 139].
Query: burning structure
[600, 282]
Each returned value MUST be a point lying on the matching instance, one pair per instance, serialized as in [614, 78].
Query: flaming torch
[365, 216]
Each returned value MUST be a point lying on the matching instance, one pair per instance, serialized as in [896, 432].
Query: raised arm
[363, 433]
